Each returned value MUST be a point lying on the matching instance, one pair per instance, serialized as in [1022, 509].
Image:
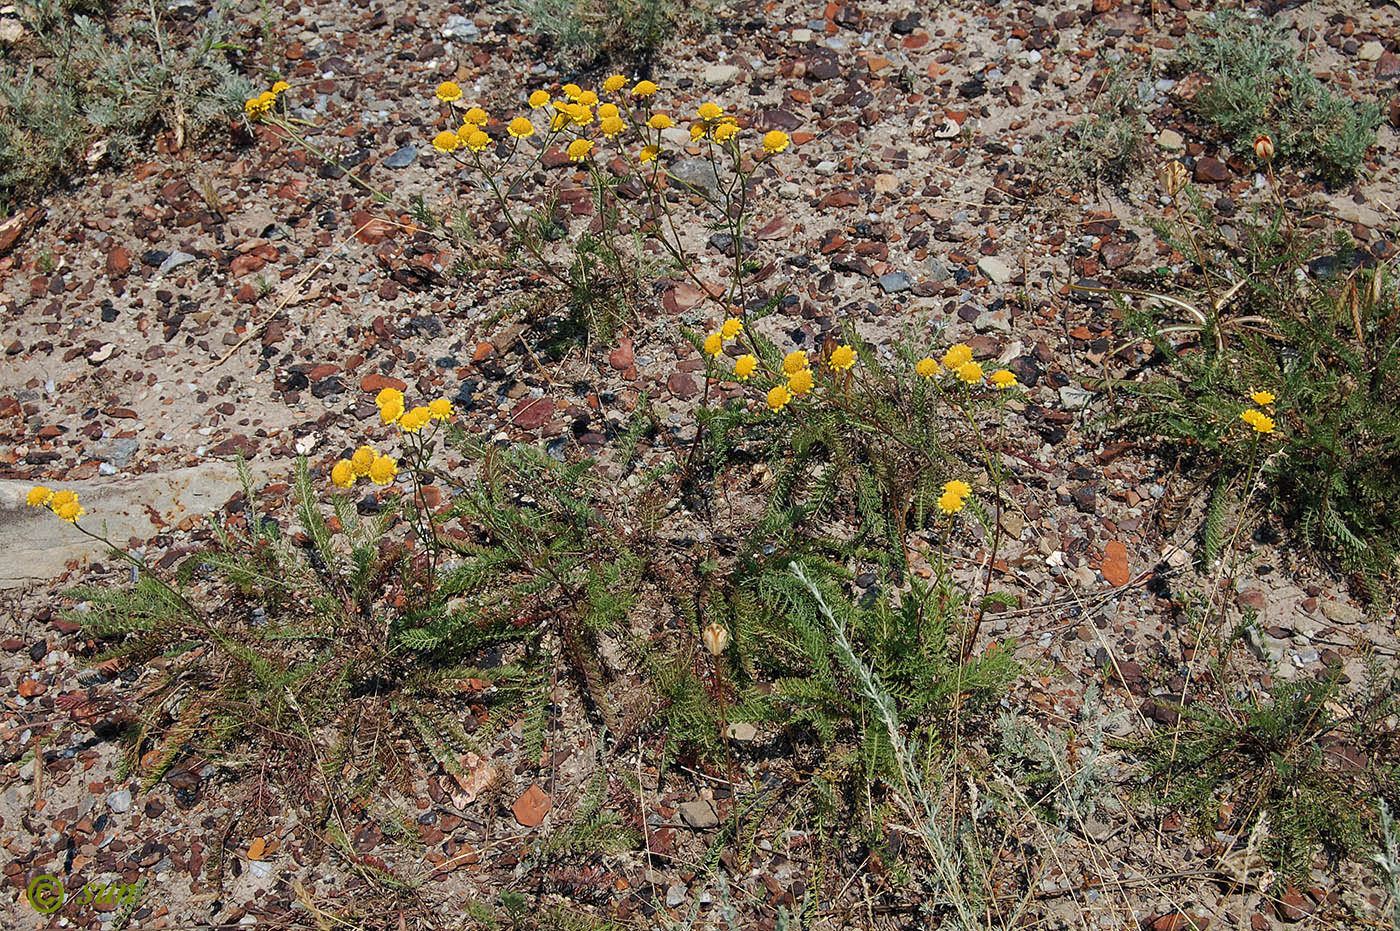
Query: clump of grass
[1293, 767]
[1110, 144]
[1282, 378]
[583, 32]
[88, 90]
[1256, 84]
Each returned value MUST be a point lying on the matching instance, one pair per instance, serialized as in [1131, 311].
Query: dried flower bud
[1264, 147]
[716, 638]
[1373, 290]
[1174, 177]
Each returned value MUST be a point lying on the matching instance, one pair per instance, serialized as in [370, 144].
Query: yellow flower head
[65, 504]
[648, 153]
[970, 373]
[611, 126]
[710, 111]
[38, 496]
[778, 398]
[1262, 423]
[926, 367]
[588, 99]
[281, 87]
[608, 109]
[475, 116]
[774, 141]
[724, 132]
[956, 356]
[415, 419]
[958, 488]
[520, 127]
[1262, 398]
[842, 358]
[383, 470]
[1004, 379]
[558, 122]
[614, 83]
[800, 382]
[390, 402]
[644, 89]
[731, 328]
[578, 149]
[744, 366]
[446, 141]
[257, 107]
[697, 131]
[539, 99]
[571, 91]
[794, 362]
[714, 344]
[580, 115]
[448, 91]
[343, 474]
[949, 504]
[660, 121]
[441, 409]
[362, 460]
[477, 141]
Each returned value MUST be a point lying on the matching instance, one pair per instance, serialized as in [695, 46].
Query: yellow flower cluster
[579, 108]
[392, 410]
[958, 360]
[954, 496]
[714, 343]
[1260, 421]
[365, 463]
[63, 503]
[260, 106]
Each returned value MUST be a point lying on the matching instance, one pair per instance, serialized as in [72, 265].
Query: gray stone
[35, 546]
[743, 731]
[1339, 612]
[998, 320]
[1075, 398]
[699, 814]
[696, 173]
[120, 801]
[460, 28]
[675, 895]
[720, 75]
[1171, 141]
[402, 158]
[994, 269]
[118, 452]
[802, 36]
[936, 269]
[894, 282]
[1371, 51]
[174, 261]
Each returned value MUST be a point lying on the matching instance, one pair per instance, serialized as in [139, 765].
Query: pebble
[1075, 398]
[174, 261]
[699, 814]
[695, 172]
[675, 895]
[120, 801]
[1171, 140]
[720, 75]
[895, 282]
[995, 269]
[402, 158]
[1371, 51]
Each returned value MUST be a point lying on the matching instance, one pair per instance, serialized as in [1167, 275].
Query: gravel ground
[217, 302]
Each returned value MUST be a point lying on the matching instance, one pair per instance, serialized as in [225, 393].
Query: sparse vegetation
[89, 87]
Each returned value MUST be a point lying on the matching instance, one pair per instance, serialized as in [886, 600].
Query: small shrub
[584, 32]
[1319, 335]
[1255, 84]
[90, 91]
[1295, 757]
